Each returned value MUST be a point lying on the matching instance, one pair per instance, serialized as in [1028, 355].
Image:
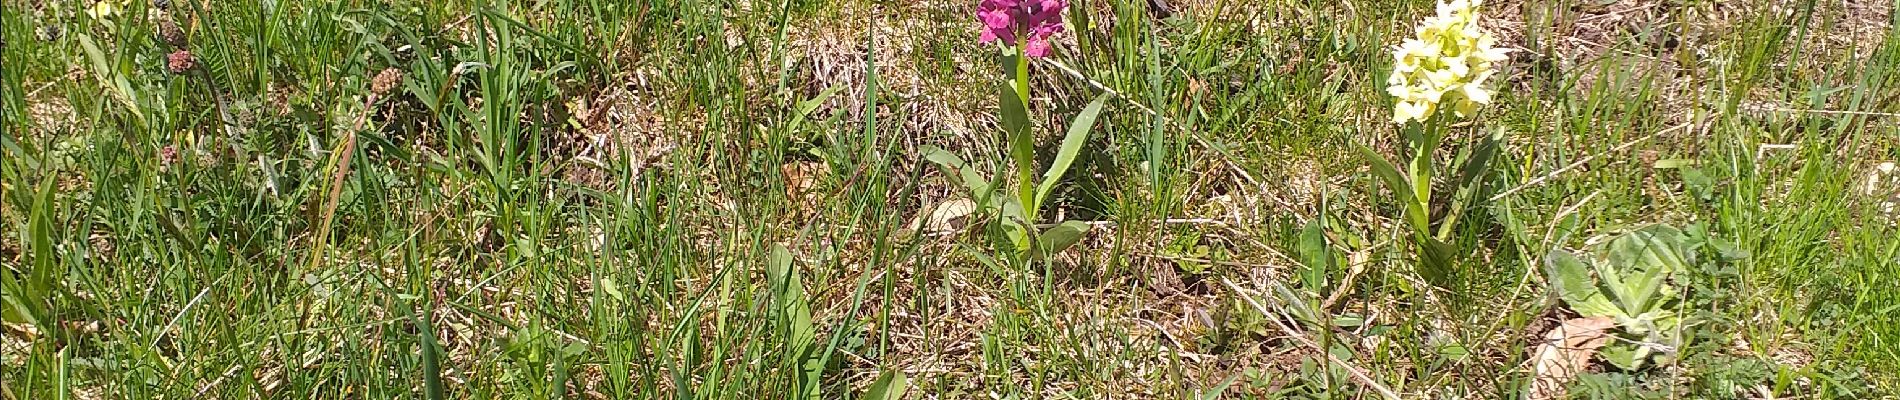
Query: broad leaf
[789, 297]
[1435, 260]
[1414, 212]
[1016, 234]
[794, 315]
[1570, 277]
[1214, 392]
[1072, 142]
[1624, 355]
[1301, 306]
[1649, 256]
[114, 82]
[1470, 183]
[890, 385]
[1480, 161]
[1022, 145]
[1316, 255]
[41, 282]
[979, 187]
[1060, 237]
[1651, 247]
[18, 308]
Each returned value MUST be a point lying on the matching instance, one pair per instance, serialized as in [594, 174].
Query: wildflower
[168, 155]
[180, 61]
[1445, 65]
[169, 33]
[101, 10]
[385, 81]
[1028, 23]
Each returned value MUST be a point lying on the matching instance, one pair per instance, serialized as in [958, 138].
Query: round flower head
[1446, 64]
[179, 62]
[385, 81]
[168, 155]
[169, 33]
[1028, 23]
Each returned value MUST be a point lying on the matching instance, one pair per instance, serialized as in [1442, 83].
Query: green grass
[583, 198]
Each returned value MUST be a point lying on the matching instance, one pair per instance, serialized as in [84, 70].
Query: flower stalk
[1437, 75]
[1022, 141]
[1023, 29]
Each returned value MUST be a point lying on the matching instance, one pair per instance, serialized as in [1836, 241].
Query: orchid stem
[1025, 153]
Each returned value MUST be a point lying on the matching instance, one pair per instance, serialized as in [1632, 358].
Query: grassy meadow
[342, 199]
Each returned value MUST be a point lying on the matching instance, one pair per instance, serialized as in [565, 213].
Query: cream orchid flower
[101, 10]
[1448, 62]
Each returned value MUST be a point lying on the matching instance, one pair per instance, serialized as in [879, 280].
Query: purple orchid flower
[1032, 20]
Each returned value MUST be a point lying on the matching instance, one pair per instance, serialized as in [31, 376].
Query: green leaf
[1072, 142]
[1010, 212]
[1349, 321]
[1670, 163]
[1649, 256]
[1316, 255]
[1727, 250]
[115, 83]
[805, 107]
[1414, 212]
[1699, 183]
[1022, 145]
[1570, 277]
[1061, 237]
[943, 158]
[1624, 355]
[870, 95]
[18, 308]
[1453, 351]
[1435, 260]
[1300, 305]
[1480, 160]
[1421, 169]
[1651, 247]
[1214, 392]
[794, 316]
[789, 296]
[40, 283]
[980, 188]
[612, 288]
[890, 385]
[1470, 180]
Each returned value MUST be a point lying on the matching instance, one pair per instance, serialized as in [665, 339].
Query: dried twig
[1838, 112]
[341, 165]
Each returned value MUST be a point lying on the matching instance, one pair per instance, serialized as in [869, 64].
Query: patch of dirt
[50, 115]
[831, 52]
[1668, 41]
[625, 117]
